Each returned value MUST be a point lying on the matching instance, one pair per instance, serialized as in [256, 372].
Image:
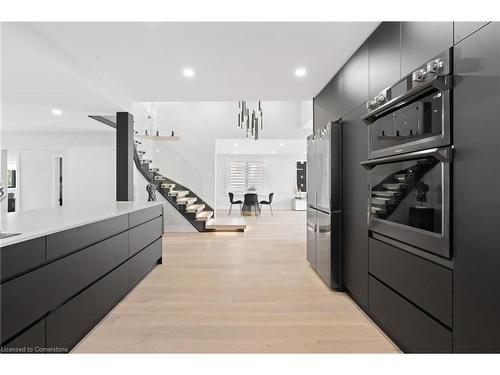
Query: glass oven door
[424, 120]
[409, 198]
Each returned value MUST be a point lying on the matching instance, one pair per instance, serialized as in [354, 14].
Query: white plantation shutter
[243, 174]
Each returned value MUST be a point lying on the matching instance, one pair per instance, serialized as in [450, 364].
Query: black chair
[232, 201]
[269, 202]
[251, 200]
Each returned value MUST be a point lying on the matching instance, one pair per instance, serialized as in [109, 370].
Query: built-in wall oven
[413, 114]
[409, 158]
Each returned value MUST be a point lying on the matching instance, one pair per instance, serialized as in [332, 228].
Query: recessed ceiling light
[235, 144]
[281, 144]
[236, 151]
[188, 72]
[56, 112]
[300, 72]
[273, 152]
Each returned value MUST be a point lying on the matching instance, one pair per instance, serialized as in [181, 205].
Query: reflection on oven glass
[417, 120]
[408, 193]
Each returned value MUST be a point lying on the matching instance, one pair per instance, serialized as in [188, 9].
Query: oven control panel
[430, 70]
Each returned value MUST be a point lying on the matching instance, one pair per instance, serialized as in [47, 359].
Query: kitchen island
[68, 267]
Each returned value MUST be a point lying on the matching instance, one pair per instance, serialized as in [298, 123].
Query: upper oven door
[420, 124]
[410, 198]
[412, 115]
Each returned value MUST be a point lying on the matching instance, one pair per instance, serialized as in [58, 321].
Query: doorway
[58, 181]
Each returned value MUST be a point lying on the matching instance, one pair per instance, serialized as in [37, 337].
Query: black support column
[124, 156]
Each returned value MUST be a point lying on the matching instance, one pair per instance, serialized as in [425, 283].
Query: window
[243, 175]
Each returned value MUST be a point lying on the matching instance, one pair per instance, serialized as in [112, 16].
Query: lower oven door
[410, 198]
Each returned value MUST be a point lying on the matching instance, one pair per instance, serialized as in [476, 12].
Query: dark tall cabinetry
[328, 104]
[421, 41]
[476, 179]
[424, 304]
[385, 54]
[354, 207]
[355, 80]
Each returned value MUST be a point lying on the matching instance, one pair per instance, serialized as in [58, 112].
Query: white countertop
[37, 223]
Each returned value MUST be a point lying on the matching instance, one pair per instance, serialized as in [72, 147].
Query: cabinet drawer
[138, 217]
[142, 263]
[71, 240]
[67, 325]
[410, 328]
[23, 302]
[22, 257]
[144, 234]
[30, 341]
[426, 284]
[71, 274]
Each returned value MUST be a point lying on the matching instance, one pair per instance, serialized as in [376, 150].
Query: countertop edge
[36, 234]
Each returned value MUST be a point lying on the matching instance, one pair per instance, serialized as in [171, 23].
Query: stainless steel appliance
[413, 114]
[324, 202]
[410, 153]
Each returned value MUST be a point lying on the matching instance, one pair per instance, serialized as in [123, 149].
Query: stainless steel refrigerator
[324, 212]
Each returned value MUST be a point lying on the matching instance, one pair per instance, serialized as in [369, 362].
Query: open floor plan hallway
[251, 292]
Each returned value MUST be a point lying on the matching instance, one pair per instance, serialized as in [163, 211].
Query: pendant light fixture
[250, 121]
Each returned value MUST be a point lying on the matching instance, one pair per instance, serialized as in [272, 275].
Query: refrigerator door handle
[336, 211]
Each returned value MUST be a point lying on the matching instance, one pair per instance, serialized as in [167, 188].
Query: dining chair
[251, 200]
[269, 202]
[232, 201]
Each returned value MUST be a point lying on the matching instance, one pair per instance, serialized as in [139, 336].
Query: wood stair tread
[178, 193]
[195, 207]
[204, 215]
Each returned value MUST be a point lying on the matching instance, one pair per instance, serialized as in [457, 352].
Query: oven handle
[443, 154]
[440, 82]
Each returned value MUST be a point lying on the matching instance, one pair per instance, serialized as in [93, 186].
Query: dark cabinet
[22, 302]
[142, 263]
[476, 172]
[327, 106]
[146, 214]
[463, 29]
[385, 56]
[144, 234]
[354, 207]
[73, 273]
[421, 41]
[71, 322]
[355, 80]
[410, 328]
[63, 243]
[30, 341]
[424, 283]
[21, 257]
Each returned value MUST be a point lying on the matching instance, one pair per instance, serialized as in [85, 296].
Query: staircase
[186, 202]
[388, 195]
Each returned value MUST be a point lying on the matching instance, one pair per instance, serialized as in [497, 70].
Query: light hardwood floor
[251, 292]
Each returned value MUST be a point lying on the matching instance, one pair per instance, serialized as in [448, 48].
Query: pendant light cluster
[250, 120]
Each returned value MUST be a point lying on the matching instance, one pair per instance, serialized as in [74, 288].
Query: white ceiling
[98, 68]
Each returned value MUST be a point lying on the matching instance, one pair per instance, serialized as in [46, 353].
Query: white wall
[279, 178]
[191, 160]
[88, 167]
[91, 175]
